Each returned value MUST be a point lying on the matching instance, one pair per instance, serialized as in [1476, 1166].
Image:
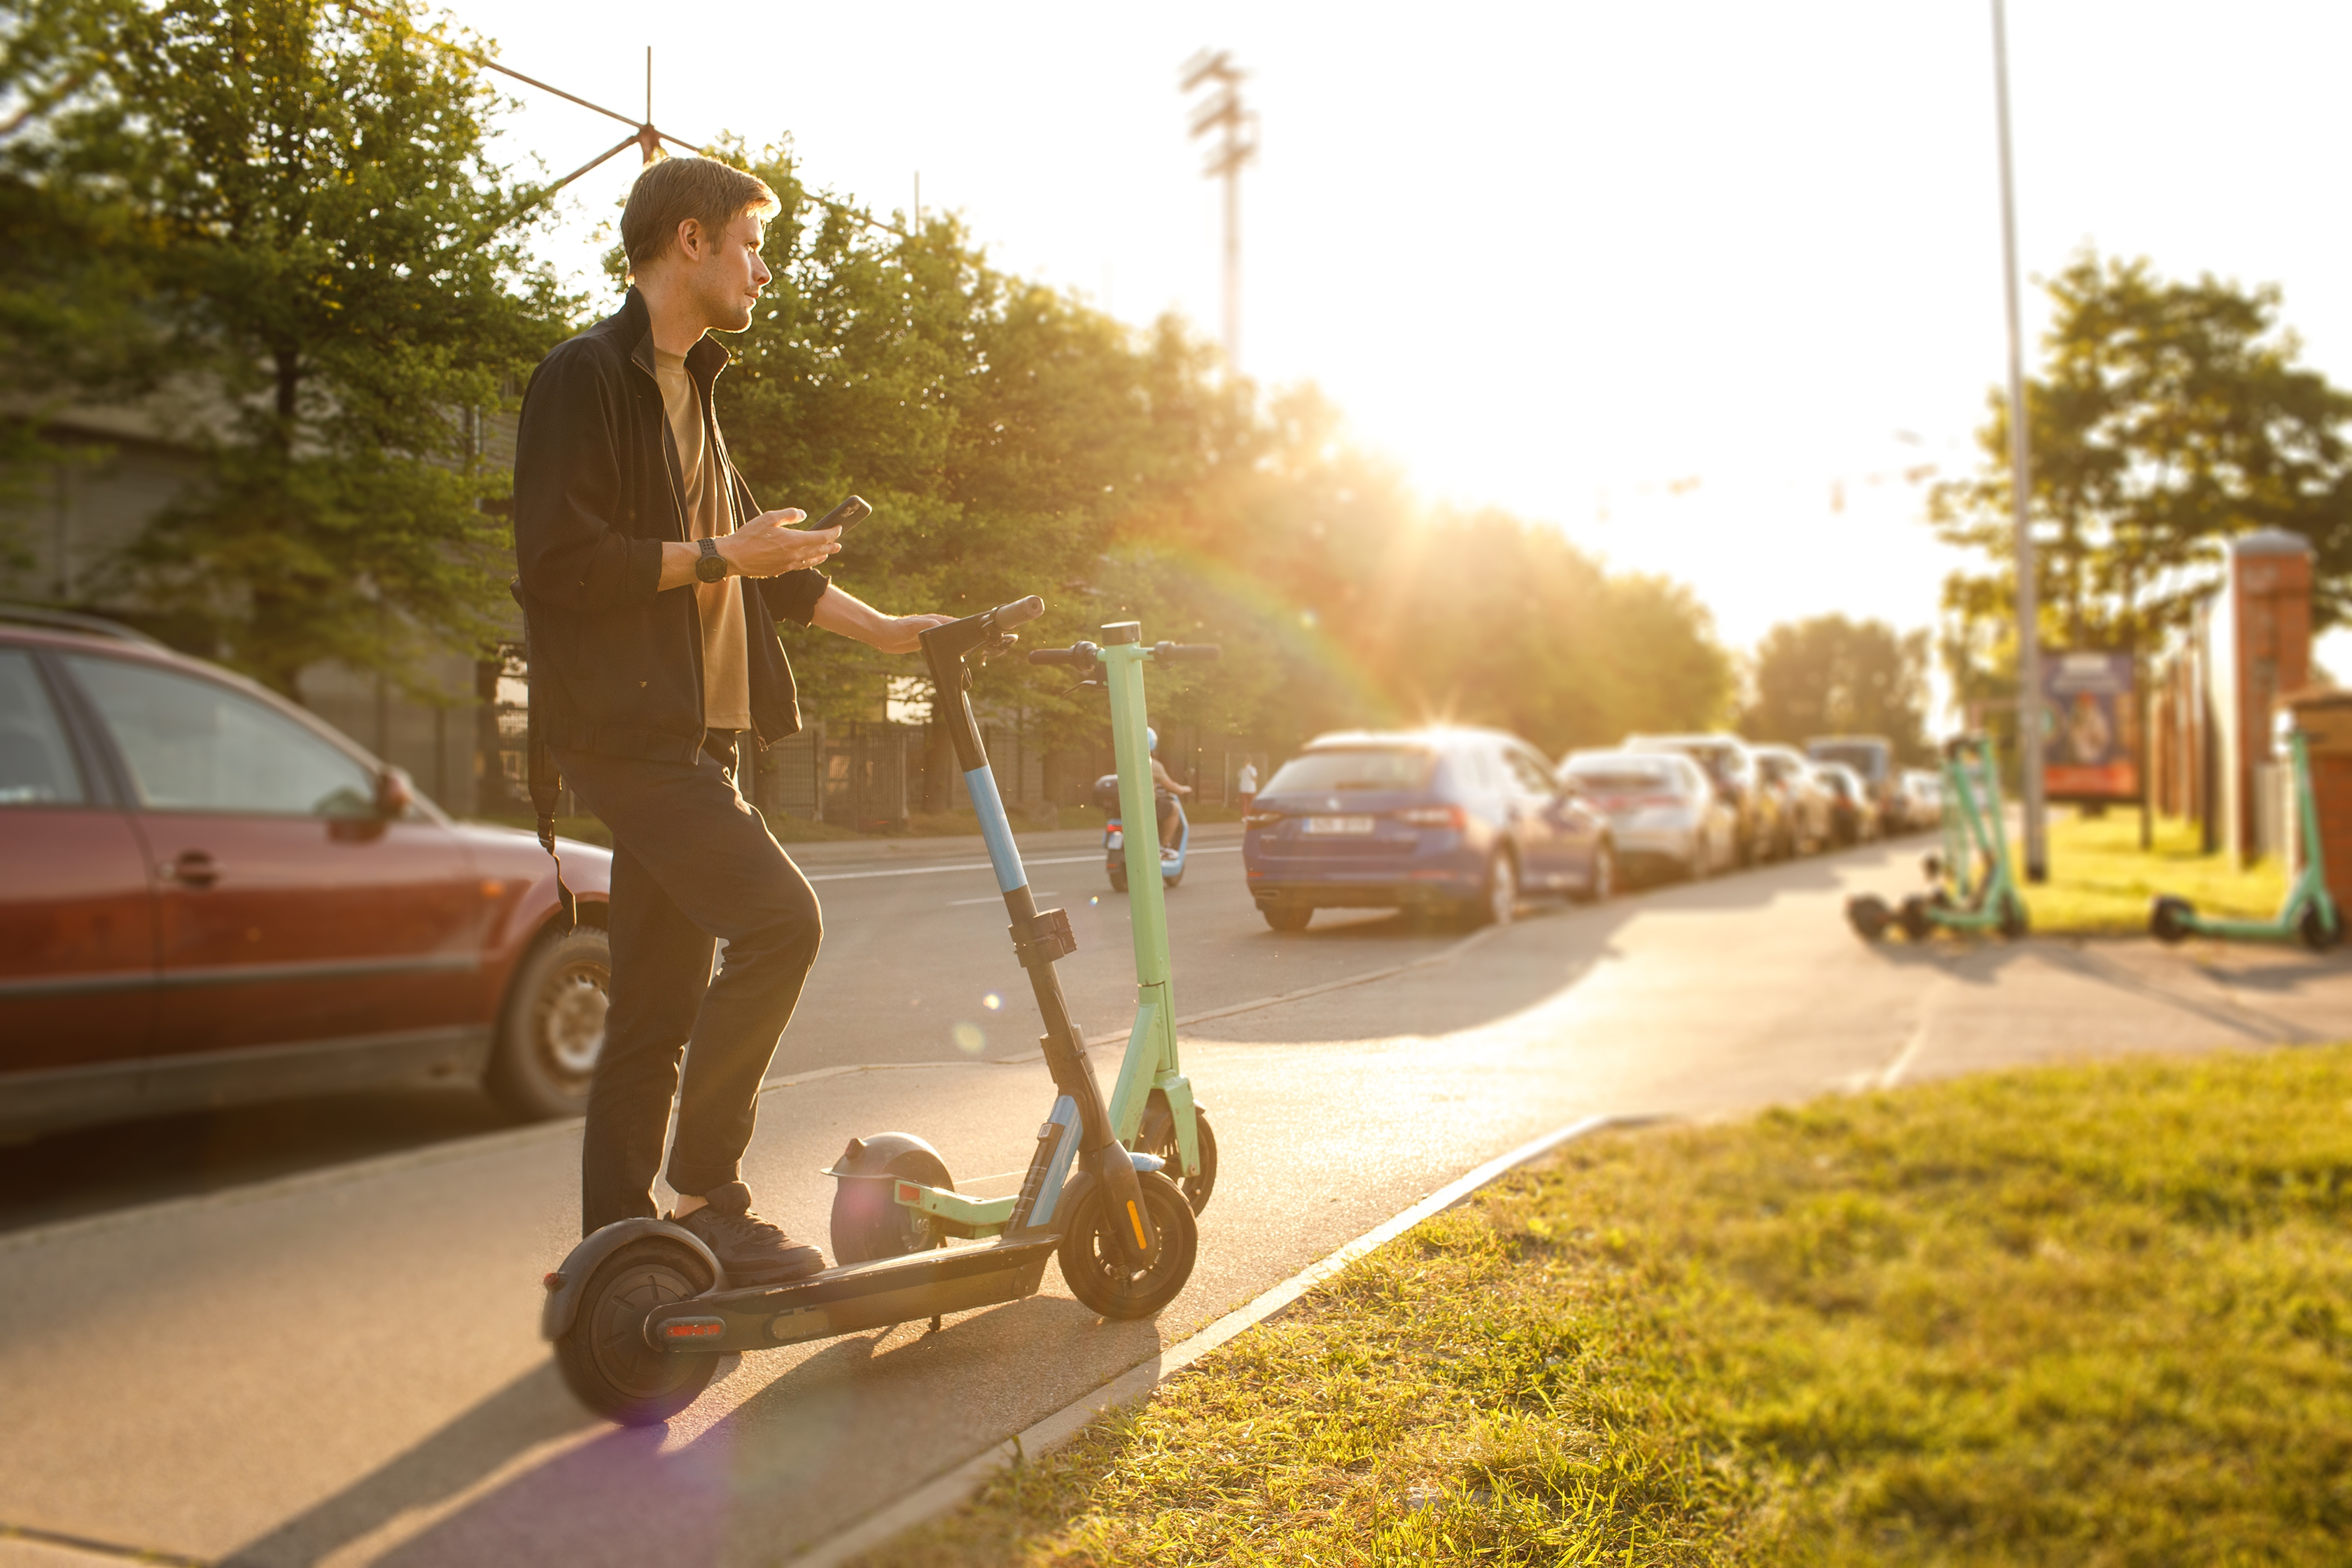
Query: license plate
[1319, 825]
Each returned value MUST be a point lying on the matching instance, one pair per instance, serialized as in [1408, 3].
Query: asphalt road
[915, 950]
[339, 1364]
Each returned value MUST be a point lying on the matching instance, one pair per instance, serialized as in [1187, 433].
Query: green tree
[2168, 417]
[77, 317]
[338, 264]
[1831, 676]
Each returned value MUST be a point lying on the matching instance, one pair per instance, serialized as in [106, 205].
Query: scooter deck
[857, 1295]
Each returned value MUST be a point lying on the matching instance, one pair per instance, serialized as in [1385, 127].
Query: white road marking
[983, 866]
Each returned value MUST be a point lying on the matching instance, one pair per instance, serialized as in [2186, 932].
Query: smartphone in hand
[845, 517]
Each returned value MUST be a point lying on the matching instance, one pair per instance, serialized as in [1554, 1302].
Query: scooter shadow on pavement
[788, 1465]
[533, 1409]
[1979, 962]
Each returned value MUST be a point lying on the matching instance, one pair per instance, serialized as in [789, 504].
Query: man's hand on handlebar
[904, 634]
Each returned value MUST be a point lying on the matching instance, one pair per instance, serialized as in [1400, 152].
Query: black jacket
[615, 665]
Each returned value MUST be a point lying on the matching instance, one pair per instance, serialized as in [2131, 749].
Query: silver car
[1661, 806]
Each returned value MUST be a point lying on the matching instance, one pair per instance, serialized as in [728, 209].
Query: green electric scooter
[641, 1311]
[1152, 1109]
[2309, 914]
[1974, 889]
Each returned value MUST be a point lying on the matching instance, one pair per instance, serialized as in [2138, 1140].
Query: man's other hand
[900, 634]
[770, 545]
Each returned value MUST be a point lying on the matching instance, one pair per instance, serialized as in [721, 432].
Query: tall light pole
[2020, 484]
[1223, 111]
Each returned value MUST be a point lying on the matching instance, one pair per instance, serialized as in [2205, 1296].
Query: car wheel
[1499, 900]
[551, 1030]
[1288, 916]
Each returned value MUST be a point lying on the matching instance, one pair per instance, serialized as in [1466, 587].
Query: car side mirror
[394, 793]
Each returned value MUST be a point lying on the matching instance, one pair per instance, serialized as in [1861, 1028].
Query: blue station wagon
[1431, 820]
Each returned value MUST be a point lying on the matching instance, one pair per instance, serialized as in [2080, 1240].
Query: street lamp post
[2020, 484]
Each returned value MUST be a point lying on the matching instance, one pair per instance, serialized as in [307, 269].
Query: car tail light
[1260, 818]
[1657, 800]
[1451, 816]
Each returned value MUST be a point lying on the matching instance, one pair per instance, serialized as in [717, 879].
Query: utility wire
[644, 134]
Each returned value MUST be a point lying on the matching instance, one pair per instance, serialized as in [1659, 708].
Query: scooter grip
[1018, 613]
[1177, 652]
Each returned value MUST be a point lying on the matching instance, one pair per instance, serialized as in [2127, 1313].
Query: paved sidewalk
[341, 1367]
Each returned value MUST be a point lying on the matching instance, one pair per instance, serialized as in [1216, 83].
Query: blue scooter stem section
[995, 828]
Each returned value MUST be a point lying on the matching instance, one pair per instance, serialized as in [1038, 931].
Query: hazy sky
[1568, 259]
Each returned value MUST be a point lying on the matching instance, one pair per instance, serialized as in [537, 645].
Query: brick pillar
[2270, 593]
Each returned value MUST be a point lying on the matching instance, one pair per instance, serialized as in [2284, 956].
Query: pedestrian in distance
[652, 584]
[1245, 785]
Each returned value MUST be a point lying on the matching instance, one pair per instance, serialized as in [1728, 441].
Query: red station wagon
[208, 897]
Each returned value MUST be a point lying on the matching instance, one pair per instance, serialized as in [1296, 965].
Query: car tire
[551, 1027]
[1288, 916]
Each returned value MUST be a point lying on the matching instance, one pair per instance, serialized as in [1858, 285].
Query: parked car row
[1698, 804]
[1465, 822]
[210, 896]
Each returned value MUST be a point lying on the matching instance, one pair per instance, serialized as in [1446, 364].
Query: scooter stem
[1039, 939]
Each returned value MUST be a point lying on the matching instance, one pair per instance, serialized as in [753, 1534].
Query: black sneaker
[752, 1251]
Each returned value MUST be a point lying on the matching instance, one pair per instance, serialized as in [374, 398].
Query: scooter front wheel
[1157, 1137]
[604, 1356]
[2316, 932]
[1098, 1271]
[1118, 877]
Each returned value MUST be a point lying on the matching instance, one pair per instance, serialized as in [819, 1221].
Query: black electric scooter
[641, 1311]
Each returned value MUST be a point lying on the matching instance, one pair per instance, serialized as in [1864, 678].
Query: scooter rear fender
[565, 1286]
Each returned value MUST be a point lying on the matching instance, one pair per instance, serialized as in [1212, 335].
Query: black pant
[692, 861]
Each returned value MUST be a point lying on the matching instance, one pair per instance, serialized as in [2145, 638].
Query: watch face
[710, 568]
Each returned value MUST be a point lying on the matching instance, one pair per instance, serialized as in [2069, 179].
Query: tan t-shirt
[726, 660]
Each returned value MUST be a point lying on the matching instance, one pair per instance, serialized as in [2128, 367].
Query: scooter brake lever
[1085, 686]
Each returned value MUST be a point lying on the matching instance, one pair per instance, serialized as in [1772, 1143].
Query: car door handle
[194, 868]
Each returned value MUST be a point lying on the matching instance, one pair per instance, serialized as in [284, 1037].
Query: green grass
[2100, 882]
[2073, 1316]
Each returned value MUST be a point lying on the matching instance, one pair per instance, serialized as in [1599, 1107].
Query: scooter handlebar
[1177, 652]
[1082, 656]
[1021, 611]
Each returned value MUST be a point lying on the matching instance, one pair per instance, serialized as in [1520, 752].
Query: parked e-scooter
[2309, 913]
[1974, 889]
[1152, 1109]
[640, 1309]
[1171, 852]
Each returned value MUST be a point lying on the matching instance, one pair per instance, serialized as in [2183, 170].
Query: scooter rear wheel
[868, 1223]
[1118, 878]
[2168, 918]
[604, 1356]
[2013, 923]
[1916, 924]
[1096, 1270]
[2316, 933]
[1869, 916]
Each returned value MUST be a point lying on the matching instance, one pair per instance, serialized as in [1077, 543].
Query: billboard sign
[2092, 749]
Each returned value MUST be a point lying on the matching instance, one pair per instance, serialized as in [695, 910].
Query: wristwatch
[713, 566]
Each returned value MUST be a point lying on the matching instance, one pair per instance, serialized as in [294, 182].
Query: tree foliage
[2167, 418]
[318, 238]
[331, 269]
[1831, 676]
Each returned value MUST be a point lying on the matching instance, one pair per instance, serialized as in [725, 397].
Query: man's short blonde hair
[671, 190]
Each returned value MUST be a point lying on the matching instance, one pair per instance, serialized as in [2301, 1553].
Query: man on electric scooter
[652, 583]
[1164, 791]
